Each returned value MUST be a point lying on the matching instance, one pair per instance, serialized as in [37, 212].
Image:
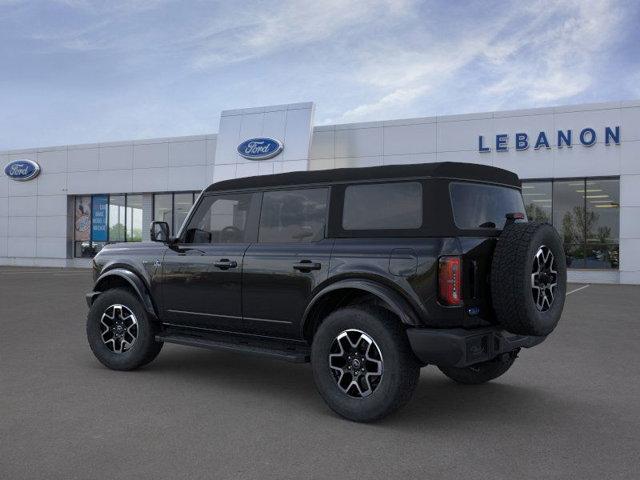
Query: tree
[537, 214]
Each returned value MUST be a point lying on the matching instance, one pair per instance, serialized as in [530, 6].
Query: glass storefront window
[537, 201]
[182, 203]
[82, 226]
[568, 210]
[173, 208]
[586, 213]
[134, 218]
[117, 218]
[101, 219]
[163, 208]
[603, 223]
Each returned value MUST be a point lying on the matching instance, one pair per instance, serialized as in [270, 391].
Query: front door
[202, 272]
[289, 260]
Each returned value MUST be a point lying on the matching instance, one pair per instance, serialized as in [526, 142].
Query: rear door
[202, 273]
[289, 260]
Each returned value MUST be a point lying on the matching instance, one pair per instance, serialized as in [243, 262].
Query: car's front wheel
[362, 363]
[119, 331]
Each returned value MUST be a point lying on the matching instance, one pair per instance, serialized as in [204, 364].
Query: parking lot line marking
[578, 289]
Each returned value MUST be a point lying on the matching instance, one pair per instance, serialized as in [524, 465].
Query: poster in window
[83, 219]
[99, 208]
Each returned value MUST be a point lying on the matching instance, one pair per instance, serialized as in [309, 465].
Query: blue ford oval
[260, 148]
[22, 170]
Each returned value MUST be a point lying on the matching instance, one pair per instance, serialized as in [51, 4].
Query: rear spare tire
[529, 278]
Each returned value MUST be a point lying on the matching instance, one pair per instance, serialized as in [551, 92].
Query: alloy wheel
[118, 328]
[544, 278]
[356, 363]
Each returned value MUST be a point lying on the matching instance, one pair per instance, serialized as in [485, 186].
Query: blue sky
[77, 71]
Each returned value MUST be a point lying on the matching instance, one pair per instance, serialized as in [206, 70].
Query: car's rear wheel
[119, 331]
[362, 363]
[481, 372]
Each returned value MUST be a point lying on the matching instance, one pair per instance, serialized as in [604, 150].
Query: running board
[289, 353]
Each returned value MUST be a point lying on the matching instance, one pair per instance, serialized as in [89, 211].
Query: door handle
[307, 266]
[225, 264]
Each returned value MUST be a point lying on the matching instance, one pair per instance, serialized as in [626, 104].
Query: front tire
[119, 331]
[362, 363]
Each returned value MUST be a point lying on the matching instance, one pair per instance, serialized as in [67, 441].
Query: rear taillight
[450, 280]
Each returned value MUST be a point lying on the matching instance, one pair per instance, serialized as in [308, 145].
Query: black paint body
[261, 289]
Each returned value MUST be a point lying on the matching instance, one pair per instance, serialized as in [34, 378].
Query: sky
[80, 71]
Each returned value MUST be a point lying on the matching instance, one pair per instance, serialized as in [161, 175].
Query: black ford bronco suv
[368, 273]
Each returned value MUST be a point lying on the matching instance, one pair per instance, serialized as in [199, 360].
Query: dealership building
[580, 167]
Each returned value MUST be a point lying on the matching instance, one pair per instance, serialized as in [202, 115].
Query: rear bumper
[457, 347]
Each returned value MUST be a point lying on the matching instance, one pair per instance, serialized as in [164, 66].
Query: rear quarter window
[477, 206]
[382, 206]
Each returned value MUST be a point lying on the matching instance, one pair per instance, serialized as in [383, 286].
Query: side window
[293, 215]
[382, 206]
[220, 219]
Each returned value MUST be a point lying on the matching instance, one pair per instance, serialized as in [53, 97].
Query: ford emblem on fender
[260, 148]
[22, 170]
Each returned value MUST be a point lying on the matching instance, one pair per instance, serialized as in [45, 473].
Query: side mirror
[159, 232]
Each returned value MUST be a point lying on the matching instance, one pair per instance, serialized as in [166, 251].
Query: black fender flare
[132, 279]
[396, 303]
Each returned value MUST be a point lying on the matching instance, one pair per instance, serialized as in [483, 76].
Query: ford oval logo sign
[260, 148]
[22, 170]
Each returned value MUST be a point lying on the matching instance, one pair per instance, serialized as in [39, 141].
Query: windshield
[477, 205]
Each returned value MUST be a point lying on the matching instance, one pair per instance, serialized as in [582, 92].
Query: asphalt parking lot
[569, 408]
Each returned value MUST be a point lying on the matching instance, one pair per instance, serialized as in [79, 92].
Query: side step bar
[289, 353]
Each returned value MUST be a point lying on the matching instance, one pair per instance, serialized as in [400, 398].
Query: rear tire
[480, 373]
[119, 331]
[372, 340]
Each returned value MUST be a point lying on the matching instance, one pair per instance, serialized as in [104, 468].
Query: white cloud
[543, 52]
[287, 24]
[554, 63]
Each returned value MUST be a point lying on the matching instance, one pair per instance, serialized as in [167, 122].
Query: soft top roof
[454, 170]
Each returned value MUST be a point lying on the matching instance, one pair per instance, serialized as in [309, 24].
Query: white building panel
[358, 142]
[630, 157]
[82, 159]
[51, 205]
[52, 183]
[33, 214]
[116, 157]
[22, 227]
[22, 207]
[53, 161]
[22, 247]
[408, 139]
[187, 178]
[52, 226]
[322, 145]
[150, 180]
[50, 248]
[630, 120]
[188, 153]
[151, 155]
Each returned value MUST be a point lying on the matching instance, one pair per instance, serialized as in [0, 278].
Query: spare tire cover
[529, 278]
